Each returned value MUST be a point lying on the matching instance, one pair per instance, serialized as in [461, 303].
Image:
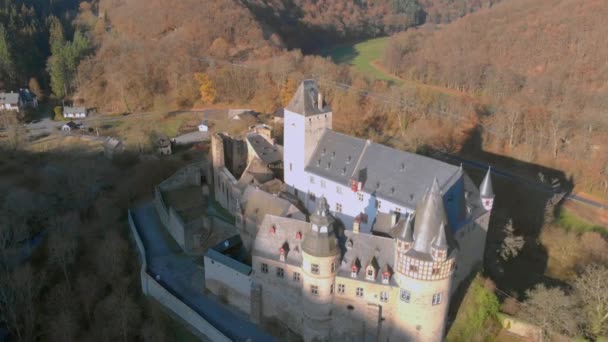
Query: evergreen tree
[7, 65]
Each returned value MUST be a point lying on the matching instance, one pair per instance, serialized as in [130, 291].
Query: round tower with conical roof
[424, 265]
[320, 258]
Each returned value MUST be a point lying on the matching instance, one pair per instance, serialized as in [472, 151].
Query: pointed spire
[441, 242]
[485, 189]
[404, 231]
[430, 215]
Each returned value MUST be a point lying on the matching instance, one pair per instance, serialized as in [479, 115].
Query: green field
[571, 222]
[361, 55]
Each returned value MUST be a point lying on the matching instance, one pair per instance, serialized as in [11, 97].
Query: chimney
[320, 101]
[394, 216]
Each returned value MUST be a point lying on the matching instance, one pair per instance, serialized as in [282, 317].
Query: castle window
[338, 190]
[405, 296]
[280, 272]
[384, 296]
[338, 207]
[360, 197]
[331, 289]
[312, 180]
[264, 268]
[341, 288]
[296, 277]
[397, 209]
[414, 268]
[290, 167]
[323, 183]
[359, 292]
[314, 289]
[314, 268]
[435, 271]
[378, 204]
[437, 299]
[333, 266]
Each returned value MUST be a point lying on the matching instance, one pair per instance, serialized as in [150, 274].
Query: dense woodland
[537, 71]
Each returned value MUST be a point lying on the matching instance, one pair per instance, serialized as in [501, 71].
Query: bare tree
[62, 251]
[19, 292]
[512, 244]
[592, 288]
[552, 310]
[88, 289]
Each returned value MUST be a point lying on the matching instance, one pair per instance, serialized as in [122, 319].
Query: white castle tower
[306, 118]
[320, 258]
[424, 260]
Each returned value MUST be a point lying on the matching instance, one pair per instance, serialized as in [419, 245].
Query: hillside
[539, 70]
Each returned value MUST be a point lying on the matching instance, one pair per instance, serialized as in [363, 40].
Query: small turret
[321, 240]
[439, 247]
[404, 233]
[486, 192]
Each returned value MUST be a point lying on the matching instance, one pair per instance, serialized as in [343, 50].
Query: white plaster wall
[293, 150]
[218, 274]
[351, 205]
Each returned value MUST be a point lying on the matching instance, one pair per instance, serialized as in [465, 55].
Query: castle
[390, 237]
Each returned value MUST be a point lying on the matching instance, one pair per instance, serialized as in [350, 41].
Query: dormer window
[299, 236]
[348, 159]
[273, 229]
[282, 254]
[353, 271]
[370, 275]
[386, 276]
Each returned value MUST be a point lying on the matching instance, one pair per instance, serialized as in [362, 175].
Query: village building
[10, 101]
[391, 236]
[70, 126]
[74, 112]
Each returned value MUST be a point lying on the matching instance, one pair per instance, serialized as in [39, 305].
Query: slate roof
[268, 241]
[257, 203]
[10, 98]
[264, 150]
[305, 100]
[394, 175]
[256, 173]
[362, 249]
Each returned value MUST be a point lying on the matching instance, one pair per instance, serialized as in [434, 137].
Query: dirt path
[447, 91]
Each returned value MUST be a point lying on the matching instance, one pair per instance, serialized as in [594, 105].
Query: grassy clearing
[571, 222]
[477, 316]
[361, 55]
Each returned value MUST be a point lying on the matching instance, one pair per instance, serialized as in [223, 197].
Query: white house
[74, 112]
[10, 101]
[203, 127]
[70, 126]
